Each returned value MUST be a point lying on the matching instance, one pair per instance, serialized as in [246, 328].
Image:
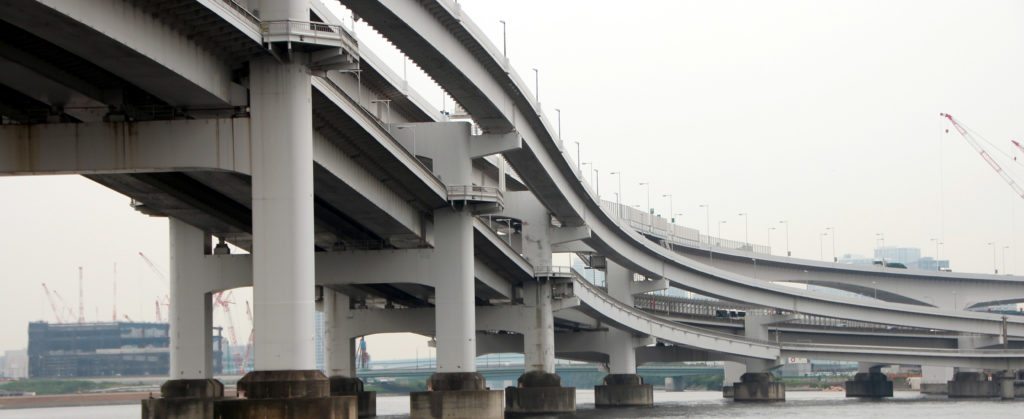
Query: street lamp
[670, 209]
[720, 222]
[589, 163]
[707, 226]
[770, 239]
[618, 202]
[937, 243]
[833, 231]
[504, 39]
[993, 244]
[786, 222]
[1004, 259]
[821, 246]
[746, 228]
[559, 112]
[536, 85]
[648, 185]
[577, 155]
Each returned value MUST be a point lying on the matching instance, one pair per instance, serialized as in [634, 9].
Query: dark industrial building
[103, 349]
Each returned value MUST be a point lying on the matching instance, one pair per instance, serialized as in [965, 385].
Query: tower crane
[252, 333]
[223, 300]
[984, 154]
[53, 304]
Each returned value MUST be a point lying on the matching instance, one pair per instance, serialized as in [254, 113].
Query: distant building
[103, 349]
[908, 256]
[14, 364]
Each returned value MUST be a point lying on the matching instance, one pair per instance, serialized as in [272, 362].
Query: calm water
[697, 404]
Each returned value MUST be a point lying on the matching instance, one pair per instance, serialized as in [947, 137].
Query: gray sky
[822, 113]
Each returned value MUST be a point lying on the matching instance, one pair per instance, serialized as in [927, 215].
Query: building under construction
[103, 349]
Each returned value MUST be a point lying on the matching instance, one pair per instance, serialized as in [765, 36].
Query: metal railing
[241, 10]
[318, 33]
[475, 193]
[553, 271]
[657, 226]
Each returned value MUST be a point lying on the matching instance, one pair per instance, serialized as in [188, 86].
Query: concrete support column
[731, 373]
[935, 380]
[282, 211]
[191, 391]
[869, 382]
[1006, 388]
[191, 310]
[454, 296]
[622, 386]
[340, 351]
[539, 390]
[539, 341]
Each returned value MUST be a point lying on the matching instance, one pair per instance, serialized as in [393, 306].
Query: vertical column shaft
[454, 296]
[282, 207]
[191, 310]
[621, 353]
[340, 349]
[539, 341]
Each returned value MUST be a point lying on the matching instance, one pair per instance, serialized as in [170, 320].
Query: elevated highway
[267, 124]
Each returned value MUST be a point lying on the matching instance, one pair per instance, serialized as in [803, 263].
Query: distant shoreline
[73, 400]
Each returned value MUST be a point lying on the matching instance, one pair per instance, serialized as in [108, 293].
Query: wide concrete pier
[350, 386]
[871, 384]
[539, 393]
[972, 385]
[758, 387]
[620, 390]
[186, 398]
[286, 395]
[456, 395]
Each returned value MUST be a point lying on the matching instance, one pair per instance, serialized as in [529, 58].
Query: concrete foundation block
[758, 387]
[462, 404]
[353, 386]
[539, 392]
[972, 385]
[540, 400]
[623, 390]
[934, 388]
[296, 394]
[869, 384]
[457, 395]
[184, 399]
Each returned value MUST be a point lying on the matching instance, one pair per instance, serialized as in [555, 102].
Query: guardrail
[657, 226]
[314, 33]
[475, 193]
[592, 289]
[241, 10]
[553, 271]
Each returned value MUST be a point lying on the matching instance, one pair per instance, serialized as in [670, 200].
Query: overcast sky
[820, 113]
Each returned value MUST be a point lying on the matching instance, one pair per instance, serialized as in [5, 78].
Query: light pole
[874, 285]
[536, 85]
[597, 184]
[993, 244]
[786, 222]
[648, 185]
[821, 246]
[880, 237]
[559, 112]
[937, 243]
[707, 226]
[589, 163]
[671, 217]
[577, 155]
[770, 239]
[618, 175]
[746, 228]
[833, 231]
[1004, 259]
[720, 222]
[504, 39]
[676, 214]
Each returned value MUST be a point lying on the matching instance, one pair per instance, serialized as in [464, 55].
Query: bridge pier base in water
[758, 387]
[622, 390]
[969, 384]
[456, 395]
[539, 392]
[184, 399]
[366, 401]
[286, 395]
[872, 384]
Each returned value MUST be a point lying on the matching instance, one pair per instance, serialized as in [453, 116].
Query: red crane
[252, 333]
[984, 154]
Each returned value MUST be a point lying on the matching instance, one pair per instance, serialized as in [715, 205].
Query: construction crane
[66, 308]
[984, 154]
[159, 315]
[158, 272]
[224, 301]
[53, 304]
[252, 334]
